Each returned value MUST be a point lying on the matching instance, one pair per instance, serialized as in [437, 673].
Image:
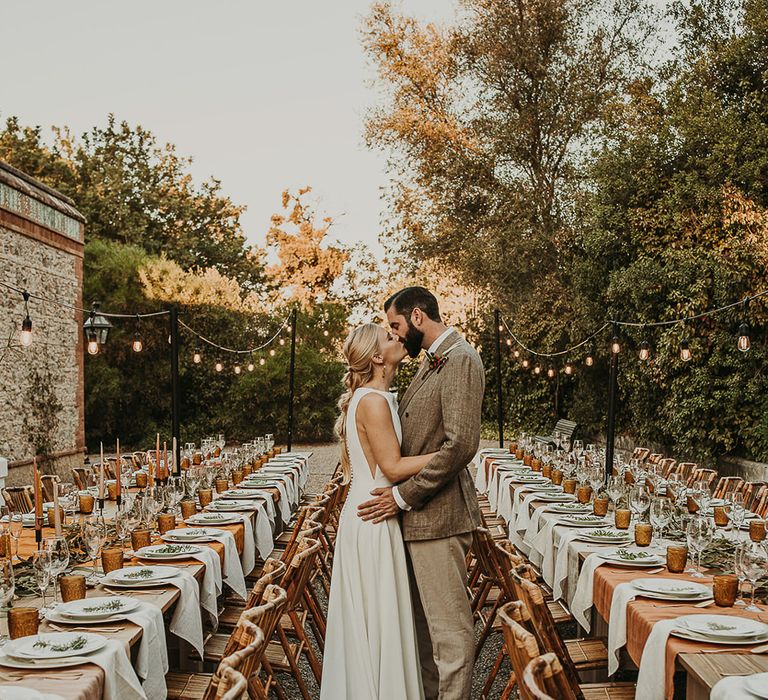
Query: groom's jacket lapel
[419, 380]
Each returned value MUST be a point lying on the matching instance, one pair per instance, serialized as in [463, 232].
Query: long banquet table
[561, 558]
[86, 681]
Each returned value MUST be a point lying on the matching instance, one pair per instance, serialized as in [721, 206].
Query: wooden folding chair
[726, 484]
[685, 469]
[80, 477]
[19, 498]
[641, 453]
[544, 679]
[272, 572]
[708, 475]
[666, 466]
[49, 482]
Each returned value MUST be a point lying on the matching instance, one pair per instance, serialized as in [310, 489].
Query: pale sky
[263, 95]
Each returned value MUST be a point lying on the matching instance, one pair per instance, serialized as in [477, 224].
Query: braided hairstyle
[359, 349]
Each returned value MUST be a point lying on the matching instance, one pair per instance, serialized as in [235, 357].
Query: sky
[262, 94]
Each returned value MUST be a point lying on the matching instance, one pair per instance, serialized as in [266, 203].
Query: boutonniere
[435, 363]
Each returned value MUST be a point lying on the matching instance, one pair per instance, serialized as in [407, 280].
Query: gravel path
[323, 463]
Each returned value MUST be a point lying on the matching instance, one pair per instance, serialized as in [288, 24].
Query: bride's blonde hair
[359, 349]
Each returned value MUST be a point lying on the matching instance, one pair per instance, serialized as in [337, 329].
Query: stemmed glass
[661, 514]
[701, 495]
[754, 561]
[699, 535]
[16, 525]
[615, 489]
[738, 569]
[92, 539]
[42, 566]
[7, 589]
[269, 440]
[639, 501]
[59, 552]
[734, 504]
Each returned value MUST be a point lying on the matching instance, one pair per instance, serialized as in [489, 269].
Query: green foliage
[41, 419]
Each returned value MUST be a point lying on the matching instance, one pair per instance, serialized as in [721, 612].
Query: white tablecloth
[733, 688]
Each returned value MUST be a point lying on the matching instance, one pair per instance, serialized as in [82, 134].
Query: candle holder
[643, 534]
[72, 587]
[583, 494]
[111, 560]
[677, 556]
[140, 538]
[165, 522]
[221, 485]
[600, 505]
[569, 486]
[188, 509]
[142, 479]
[205, 496]
[23, 622]
[757, 530]
[725, 588]
[622, 517]
[87, 502]
[557, 477]
[112, 492]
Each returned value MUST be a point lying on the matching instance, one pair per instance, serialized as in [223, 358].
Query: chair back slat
[641, 453]
[543, 679]
[19, 498]
[221, 685]
[727, 484]
[521, 645]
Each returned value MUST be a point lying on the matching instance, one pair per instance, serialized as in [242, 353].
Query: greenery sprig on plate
[111, 606]
[631, 556]
[76, 644]
[140, 574]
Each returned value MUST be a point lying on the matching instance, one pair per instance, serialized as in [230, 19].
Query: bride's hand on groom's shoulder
[380, 508]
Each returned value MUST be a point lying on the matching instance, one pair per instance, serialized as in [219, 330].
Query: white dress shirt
[432, 350]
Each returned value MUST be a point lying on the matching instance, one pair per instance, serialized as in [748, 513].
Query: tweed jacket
[440, 412]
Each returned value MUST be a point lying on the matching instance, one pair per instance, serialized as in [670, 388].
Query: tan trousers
[444, 626]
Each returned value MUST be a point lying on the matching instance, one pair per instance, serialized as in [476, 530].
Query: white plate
[670, 587]
[694, 636]
[159, 573]
[156, 551]
[242, 493]
[556, 497]
[757, 684]
[254, 485]
[530, 480]
[201, 519]
[84, 610]
[617, 538]
[576, 520]
[230, 505]
[647, 560]
[545, 488]
[725, 626]
[184, 535]
[25, 649]
[570, 508]
[62, 662]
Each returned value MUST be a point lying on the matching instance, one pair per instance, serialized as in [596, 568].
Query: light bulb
[237, 369]
[25, 337]
[197, 358]
[589, 361]
[250, 366]
[551, 372]
[685, 351]
[743, 343]
[272, 352]
[290, 329]
[218, 366]
[537, 369]
[615, 345]
[516, 353]
[93, 347]
[262, 361]
[645, 351]
[501, 328]
[568, 369]
[325, 333]
[526, 363]
[282, 341]
[509, 342]
[137, 345]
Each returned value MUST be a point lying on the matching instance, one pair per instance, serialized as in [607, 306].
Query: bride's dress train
[370, 646]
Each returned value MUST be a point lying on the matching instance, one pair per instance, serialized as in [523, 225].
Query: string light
[615, 343]
[568, 369]
[262, 361]
[250, 364]
[137, 345]
[509, 342]
[551, 372]
[218, 366]
[526, 363]
[282, 341]
[25, 337]
[685, 351]
[93, 344]
[743, 343]
[237, 369]
[537, 369]
[516, 353]
[197, 358]
[326, 333]
[645, 351]
[589, 360]
[272, 352]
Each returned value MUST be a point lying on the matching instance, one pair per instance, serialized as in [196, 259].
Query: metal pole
[610, 432]
[175, 430]
[499, 404]
[292, 377]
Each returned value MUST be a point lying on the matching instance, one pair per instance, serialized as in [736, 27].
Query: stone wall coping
[37, 190]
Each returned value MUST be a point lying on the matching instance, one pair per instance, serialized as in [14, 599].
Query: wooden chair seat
[186, 686]
[278, 659]
[587, 654]
[608, 691]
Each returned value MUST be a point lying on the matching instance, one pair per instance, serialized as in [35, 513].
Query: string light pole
[292, 377]
[613, 386]
[175, 419]
[499, 397]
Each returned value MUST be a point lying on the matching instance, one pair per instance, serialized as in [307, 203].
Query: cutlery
[63, 676]
[762, 649]
[128, 591]
[656, 571]
[58, 628]
[702, 604]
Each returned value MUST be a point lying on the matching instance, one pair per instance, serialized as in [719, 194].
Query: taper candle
[56, 512]
[101, 472]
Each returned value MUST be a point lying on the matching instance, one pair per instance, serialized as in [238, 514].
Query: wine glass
[639, 501]
[754, 561]
[661, 514]
[92, 535]
[699, 535]
[59, 551]
[269, 440]
[7, 589]
[734, 506]
[615, 489]
[41, 564]
[16, 525]
[701, 495]
[739, 571]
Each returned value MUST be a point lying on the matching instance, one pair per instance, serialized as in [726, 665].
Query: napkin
[248, 555]
[479, 462]
[120, 680]
[623, 594]
[211, 587]
[732, 688]
[560, 572]
[582, 600]
[152, 656]
[184, 625]
[233, 569]
[524, 512]
[264, 542]
[652, 678]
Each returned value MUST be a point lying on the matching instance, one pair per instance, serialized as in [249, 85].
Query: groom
[440, 412]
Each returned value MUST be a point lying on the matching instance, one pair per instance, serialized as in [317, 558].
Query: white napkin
[524, 512]
[120, 680]
[479, 462]
[184, 625]
[211, 586]
[732, 688]
[508, 498]
[542, 545]
[560, 573]
[152, 657]
[233, 569]
[623, 594]
[264, 540]
[651, 681]
[248, 555]
[582, 600]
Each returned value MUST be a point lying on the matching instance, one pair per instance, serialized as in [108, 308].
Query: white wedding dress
[370, 645]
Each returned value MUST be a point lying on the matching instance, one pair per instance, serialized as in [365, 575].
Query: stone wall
[41, 387]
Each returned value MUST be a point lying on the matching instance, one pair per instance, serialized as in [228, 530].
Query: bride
[370, 646]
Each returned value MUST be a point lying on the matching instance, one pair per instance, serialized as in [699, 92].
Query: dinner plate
[168, 551]
[616, 536]
[641, 559]
[725, 626]
[671, 589]
[696, 637]
[523, 479]
[93, 609]
[54, 645]
[190, 534]
[39, 664]
[584, 520]
[131, 576]
[555, 497]
[241, 493]
[230, 505]
[213, 519]
[544, 488]
[757, 684]
[570, 507]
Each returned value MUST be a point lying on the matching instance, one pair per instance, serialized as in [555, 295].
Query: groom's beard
[412, 341]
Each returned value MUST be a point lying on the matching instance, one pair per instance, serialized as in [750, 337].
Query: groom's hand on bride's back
[380, 508]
